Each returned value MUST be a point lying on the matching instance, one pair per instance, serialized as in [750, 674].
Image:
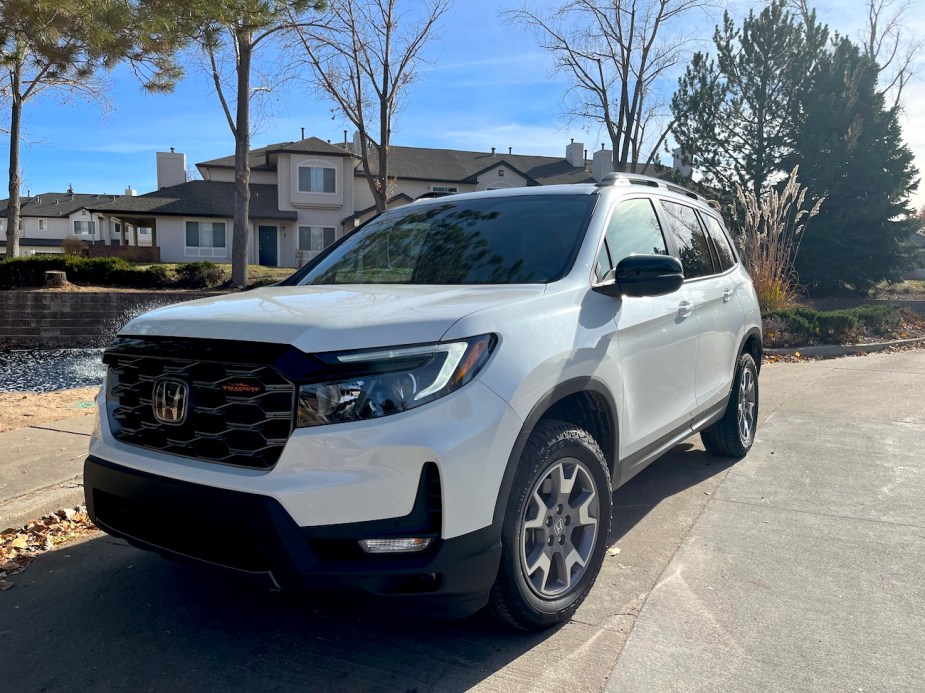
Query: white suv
[436, 410]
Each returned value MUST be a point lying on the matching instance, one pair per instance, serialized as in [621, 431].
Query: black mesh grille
[237, 414]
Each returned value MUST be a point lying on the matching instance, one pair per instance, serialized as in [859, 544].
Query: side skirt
[635, 463]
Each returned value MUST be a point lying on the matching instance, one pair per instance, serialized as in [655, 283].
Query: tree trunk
[240, 241]
[13, 204]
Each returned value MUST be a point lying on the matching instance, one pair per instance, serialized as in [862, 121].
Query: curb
[843, 349]
[16, 512]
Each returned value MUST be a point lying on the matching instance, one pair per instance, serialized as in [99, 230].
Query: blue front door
[267, 239]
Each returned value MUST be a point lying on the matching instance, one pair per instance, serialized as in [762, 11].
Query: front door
[267, 246]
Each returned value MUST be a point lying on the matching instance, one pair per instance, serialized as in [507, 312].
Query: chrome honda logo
[171, 398]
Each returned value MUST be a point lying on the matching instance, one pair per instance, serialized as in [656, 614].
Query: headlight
[388, 381]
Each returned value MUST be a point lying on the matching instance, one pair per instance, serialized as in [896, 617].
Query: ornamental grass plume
[769, 230]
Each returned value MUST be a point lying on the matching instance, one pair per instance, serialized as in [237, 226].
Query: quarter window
[633, 230]
[720, 242]
[317, 179]
[206, 239]
[692, 243]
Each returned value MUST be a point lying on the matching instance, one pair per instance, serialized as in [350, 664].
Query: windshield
[495, 240]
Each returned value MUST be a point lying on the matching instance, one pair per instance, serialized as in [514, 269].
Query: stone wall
[75, 319]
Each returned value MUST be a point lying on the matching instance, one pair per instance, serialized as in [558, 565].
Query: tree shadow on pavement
[102, 615]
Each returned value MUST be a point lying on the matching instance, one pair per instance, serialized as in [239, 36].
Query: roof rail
[622, 178]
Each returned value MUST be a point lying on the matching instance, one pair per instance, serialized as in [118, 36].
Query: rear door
[711, 293]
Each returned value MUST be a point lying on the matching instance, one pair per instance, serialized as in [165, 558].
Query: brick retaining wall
[66, 320]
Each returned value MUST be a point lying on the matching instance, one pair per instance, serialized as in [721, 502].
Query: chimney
[601, 164]
[171, 169]
[510, 150]
[573, 154]
[303, 133]
[357, 144]
[681, 163]
[492, 151]
[345, 139]
[130, 192]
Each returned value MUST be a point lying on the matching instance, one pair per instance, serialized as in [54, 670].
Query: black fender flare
[559, 392]
[753, 332]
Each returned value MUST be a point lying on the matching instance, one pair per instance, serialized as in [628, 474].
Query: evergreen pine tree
[849, 148]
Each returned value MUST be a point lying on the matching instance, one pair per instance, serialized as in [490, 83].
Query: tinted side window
[633, 230]
[721, 242]
[692, 243]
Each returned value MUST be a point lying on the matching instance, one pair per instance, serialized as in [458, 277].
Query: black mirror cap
[644, 275]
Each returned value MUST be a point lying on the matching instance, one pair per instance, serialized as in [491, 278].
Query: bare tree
[613, 53]
[885, 39]
[229, 33]
[363, 57]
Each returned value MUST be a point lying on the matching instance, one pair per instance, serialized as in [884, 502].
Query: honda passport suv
[436, 410]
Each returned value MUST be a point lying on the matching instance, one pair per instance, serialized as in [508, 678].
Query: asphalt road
[693, 600]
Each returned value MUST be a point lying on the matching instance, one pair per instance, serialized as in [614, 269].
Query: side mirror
[643, 275]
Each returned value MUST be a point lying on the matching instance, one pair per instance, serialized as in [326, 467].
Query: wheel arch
[585, 402]
[752, 344]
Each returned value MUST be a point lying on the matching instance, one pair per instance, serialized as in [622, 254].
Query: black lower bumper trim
[254, 535]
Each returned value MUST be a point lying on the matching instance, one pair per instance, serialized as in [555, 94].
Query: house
[49, 218]
[308, 193]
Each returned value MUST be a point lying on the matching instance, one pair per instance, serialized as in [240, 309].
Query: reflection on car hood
[329, 318]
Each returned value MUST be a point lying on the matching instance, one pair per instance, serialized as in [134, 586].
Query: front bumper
[253, 534]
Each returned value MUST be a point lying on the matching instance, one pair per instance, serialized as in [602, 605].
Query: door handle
[685, 308]
[727, 295]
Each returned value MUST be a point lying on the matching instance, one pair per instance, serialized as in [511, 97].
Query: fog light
[409, 545]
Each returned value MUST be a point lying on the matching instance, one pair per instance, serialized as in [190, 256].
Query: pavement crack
[58, 430]
[819, 514]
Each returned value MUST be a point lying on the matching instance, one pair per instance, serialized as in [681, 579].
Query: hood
[329, 318]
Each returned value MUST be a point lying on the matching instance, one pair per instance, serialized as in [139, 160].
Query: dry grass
[769, 237]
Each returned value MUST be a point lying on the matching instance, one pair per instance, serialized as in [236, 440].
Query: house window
[84, 228]
[43, 224]
[444, 189]
[316, 238]
[206, 239]
[317, 179]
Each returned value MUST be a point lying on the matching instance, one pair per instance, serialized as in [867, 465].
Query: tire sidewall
[568, 446]
[746, 362]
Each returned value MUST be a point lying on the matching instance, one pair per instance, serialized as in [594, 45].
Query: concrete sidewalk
[41, 468]
[804, 571]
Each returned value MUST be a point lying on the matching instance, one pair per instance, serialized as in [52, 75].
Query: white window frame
[310, 165]
[311, 251]
[43, 224]
[444, 188]
[205, 251]
[91, 224]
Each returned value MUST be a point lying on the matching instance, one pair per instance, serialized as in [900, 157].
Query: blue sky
[489, 86]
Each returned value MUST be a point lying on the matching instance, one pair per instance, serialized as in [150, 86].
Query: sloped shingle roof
[55, 204]
[259, 158]
[199, 198]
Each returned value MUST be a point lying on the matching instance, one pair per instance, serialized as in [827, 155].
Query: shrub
[802, 326]
[73, 246]
[200, 275]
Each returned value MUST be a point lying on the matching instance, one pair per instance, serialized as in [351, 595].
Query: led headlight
[388, 381]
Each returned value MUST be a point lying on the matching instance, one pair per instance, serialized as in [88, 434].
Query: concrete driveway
[795, 569]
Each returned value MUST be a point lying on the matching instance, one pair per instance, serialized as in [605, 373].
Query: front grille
[237, 414]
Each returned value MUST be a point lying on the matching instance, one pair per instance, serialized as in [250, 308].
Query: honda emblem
[171, 398]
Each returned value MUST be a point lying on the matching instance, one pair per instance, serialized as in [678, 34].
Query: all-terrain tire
[734, 434]
[559, 508]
